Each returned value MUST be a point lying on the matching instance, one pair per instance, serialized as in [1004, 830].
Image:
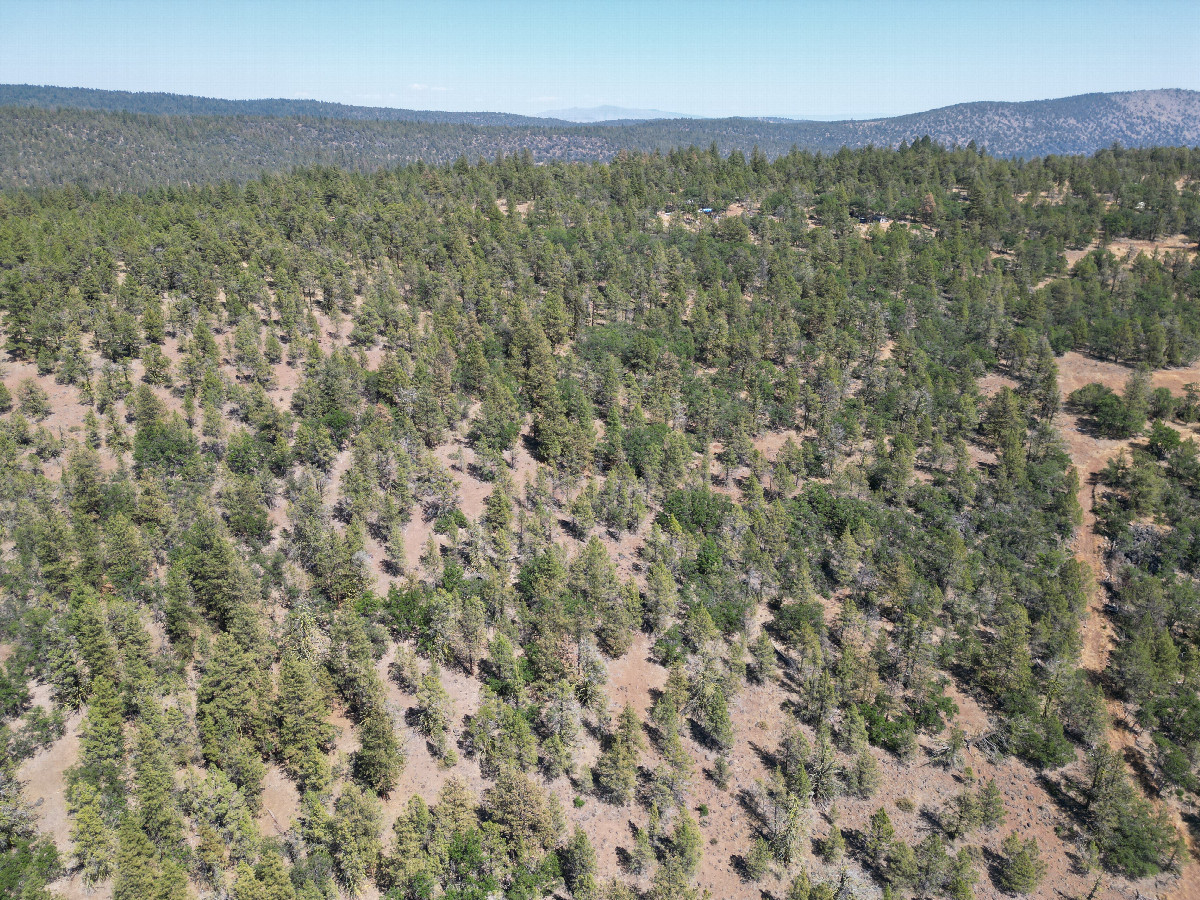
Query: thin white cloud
[418, 87]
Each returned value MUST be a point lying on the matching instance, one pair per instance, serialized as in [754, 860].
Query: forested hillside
[523, 530]
[59, 136]
[161, 104]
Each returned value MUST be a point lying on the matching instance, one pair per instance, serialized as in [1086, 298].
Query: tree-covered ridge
[750, 447]
[58, 136]
[157, 103]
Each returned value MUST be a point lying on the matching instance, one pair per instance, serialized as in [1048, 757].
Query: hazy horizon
[864, 60]
[564, 114]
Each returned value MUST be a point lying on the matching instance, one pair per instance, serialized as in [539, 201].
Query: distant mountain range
[160, 104]
[52, 135]
[612, 114]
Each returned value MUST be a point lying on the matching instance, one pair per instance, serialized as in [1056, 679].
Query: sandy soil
[280, 803]
[1074, 256]
[522, 207]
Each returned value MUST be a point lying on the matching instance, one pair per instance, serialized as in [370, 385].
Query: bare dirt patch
[1128, 249]
[44, 784]
[280, 802]
[992, 383]
[1074, 256]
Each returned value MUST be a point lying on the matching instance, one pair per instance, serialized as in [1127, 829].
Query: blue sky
[831, 59]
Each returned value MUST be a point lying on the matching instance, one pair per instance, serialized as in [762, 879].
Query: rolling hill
[163, 104]
[52, 136]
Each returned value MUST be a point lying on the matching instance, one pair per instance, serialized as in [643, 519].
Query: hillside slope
[527, 519]
[54, 136]
[158, 103]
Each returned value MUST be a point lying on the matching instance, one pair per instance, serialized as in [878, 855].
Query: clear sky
[836, 58]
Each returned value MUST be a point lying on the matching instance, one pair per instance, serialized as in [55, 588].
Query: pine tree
[434, 711]
[247, 886]
[764, 657]
[578, 861]
[154, 781]
[864, 776]
[172, 882]
[642, 857]
[800, 888]
[379, 760]
[92, 838]
[834, 846]
[687, 844]
[502, 661]
[1022, 868]
[789, 836]
[662, 598]
[274, 877]
[354, 836]
[758, 860]
[879, 838]
[529, 816]
[304, 734]
[136, 871]
[102, 742]
[991, 805]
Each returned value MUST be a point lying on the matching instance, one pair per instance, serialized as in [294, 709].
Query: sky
[835, 59]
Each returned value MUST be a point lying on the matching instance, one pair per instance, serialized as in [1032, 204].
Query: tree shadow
[625, 860]
[1141, 772]
[856, 842]
[594, 730]
[935, 818]
[993, 864]
[1191, 822]
[1064, 794]
[749, 806]
[738, 863]
[700, 735]
[769, 758]
[478, 472]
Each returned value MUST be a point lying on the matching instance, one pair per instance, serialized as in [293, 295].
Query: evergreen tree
[304, 734]
[1022, 868]
[136, 873]
[379, 760]
[880, 835]
[578, 862]
[93, 840]
[687, 844]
